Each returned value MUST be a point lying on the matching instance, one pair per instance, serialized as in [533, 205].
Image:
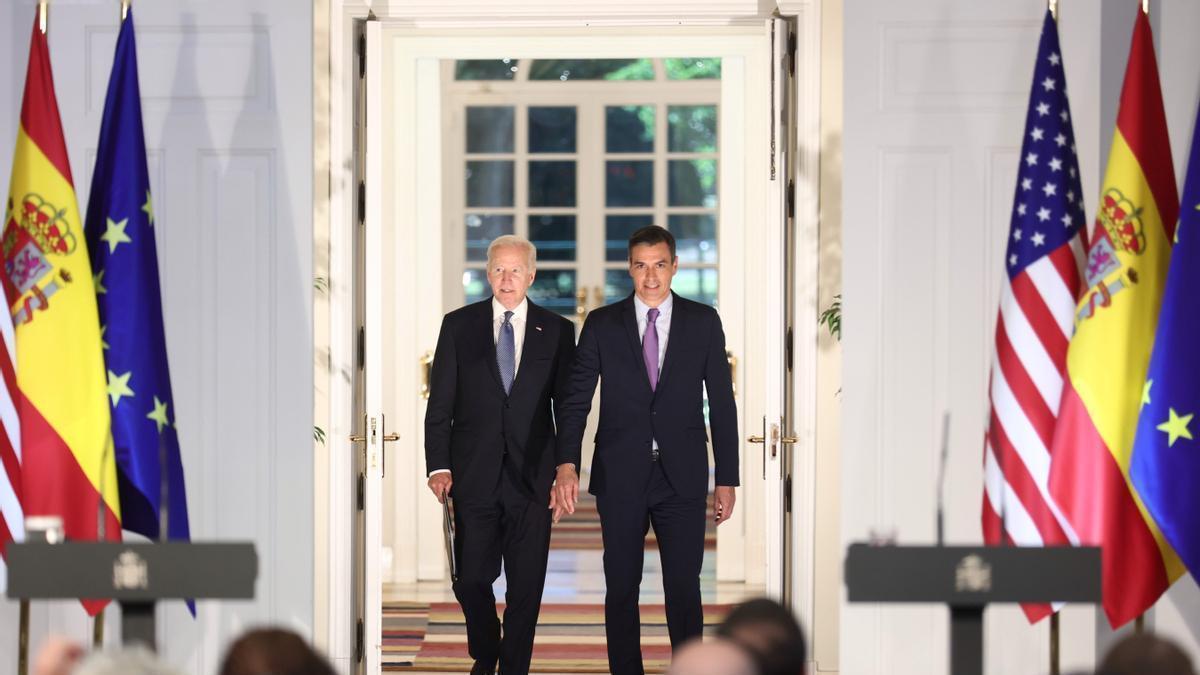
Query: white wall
[935, 105]
[227, 102]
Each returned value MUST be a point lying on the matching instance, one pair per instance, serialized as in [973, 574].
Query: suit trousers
[679, 526]
[507, 525]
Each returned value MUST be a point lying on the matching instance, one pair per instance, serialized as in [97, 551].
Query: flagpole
[1054, 616]
[124, 9]
[23, 641]
[43, 5]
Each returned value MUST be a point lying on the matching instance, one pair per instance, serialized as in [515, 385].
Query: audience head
[770, 632]
[719, 657]
[273, 651]
[1145, 654]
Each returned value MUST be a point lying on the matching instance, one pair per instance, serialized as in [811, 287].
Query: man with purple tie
[655, 355]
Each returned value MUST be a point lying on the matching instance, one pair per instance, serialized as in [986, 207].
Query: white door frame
[332, 604]
[413, 58]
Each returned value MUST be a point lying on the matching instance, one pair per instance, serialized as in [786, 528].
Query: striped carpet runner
[570, 637]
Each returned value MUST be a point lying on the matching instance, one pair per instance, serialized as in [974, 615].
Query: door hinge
[360, 493]
[791, 199]
[358, 641]
[362, 347]
[362, 202]
[362, 54]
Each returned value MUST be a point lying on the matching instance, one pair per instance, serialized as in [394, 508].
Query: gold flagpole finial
[42, 5]
[124, 9]
[1054, 9]
[1146, 7]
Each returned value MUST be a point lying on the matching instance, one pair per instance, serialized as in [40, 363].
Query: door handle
[425, 363]
[756, 439]
[733, 364]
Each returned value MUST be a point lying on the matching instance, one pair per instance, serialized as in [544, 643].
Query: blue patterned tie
[506, 353]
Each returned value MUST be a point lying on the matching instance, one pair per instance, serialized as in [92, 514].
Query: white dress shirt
[662, 323]
[518, 324]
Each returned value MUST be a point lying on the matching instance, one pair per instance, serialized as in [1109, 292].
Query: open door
[372, 434]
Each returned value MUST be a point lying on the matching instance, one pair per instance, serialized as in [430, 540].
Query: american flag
[12, 521]
[1036, 319]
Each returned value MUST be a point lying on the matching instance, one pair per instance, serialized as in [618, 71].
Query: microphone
[942, 476]
[163, 480]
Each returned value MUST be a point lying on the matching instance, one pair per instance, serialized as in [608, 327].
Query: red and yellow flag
[66, 439]
[1126, 272]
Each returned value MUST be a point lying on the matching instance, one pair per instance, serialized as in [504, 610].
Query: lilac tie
[650, 347]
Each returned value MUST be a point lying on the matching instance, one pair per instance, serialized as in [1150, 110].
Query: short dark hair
[273, 650]
[769, 632]
[1146, 653]
[651, 235]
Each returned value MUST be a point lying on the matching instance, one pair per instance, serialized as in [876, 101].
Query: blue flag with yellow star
[120, 236]
[1165, 467]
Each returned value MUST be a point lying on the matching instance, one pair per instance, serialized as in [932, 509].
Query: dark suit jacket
[632, 415]
[470, 424]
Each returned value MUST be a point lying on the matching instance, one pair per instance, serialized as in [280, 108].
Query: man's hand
[565, 492]
[723, 499]
[558, 511]
[440, 484]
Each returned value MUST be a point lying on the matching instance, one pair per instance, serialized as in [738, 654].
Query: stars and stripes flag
[1035, 322]
[1128, 256]
[120, 237]
[12, 519]
[67, 466]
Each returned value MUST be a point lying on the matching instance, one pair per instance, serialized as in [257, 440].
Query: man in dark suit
[655, 354]
[490, 444]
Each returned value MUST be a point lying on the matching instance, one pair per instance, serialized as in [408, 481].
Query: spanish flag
[66, 442]
[1126, 270]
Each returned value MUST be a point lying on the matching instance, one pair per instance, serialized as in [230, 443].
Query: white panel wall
[227, 101]
[934, 107]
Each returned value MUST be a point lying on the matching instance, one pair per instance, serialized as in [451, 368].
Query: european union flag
[120, 236]
[1165, 468]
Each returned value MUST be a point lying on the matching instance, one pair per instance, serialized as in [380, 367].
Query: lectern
[968, 578]
[134, 574]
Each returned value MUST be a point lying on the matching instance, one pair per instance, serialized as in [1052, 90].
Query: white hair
[513, 241]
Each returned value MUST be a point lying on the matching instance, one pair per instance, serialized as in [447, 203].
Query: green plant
[832, 317]
[319, 435]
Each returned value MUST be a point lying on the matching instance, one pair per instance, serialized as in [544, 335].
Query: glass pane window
[551, 129]
[617, 285]
[628, 183]
[695, 237]
[692, 69]
[692, 128]
[485, 69]
[554, 236]
[481, 230]
[697, 284]
[692, 182]
[629, 128]
[591, 69]
[554, 290]
[617, 230]
[475, 286]
[552, 183]
[489, 183]
[489, 129]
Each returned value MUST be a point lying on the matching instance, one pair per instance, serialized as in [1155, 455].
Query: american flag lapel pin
[538, 328]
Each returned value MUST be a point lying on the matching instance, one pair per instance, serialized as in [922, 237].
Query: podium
[134, 574]
[968, 579]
